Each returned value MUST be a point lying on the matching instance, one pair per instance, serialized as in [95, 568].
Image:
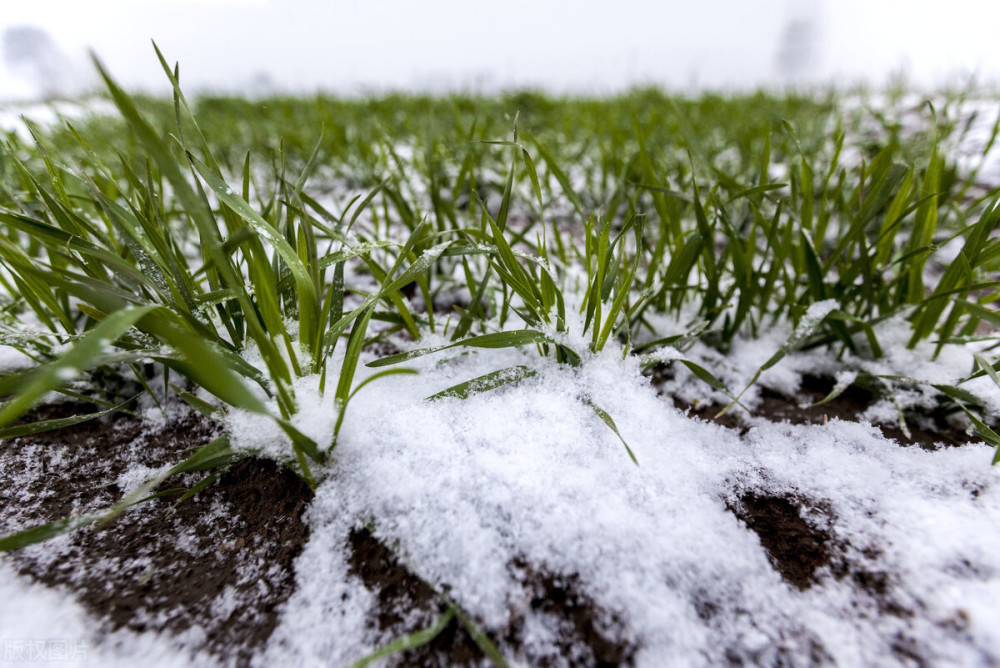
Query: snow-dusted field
[582, 515]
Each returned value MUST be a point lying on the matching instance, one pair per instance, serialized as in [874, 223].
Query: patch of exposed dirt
[587, 635]
[219, 565]
[709, 412]
[405, 604]
[850, 405]
[800, 549]
[224, 560]
[74, 469]
[796, 549]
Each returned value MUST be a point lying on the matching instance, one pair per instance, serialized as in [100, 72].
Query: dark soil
[850, 405]
[406, 603]
[588, 636]
[222, 562]
[201, 567]
[803, 553]
[796, 549]
[799, 540]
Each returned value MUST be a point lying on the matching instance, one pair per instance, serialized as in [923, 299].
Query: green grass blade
[51, 425]
[484, 383]
[30, 387]
[601, 413]
[512, 339]
[408, 641]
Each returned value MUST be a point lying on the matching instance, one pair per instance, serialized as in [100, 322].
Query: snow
[462, 488]
[41, 626]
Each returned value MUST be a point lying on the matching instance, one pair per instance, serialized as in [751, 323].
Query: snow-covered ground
[463, 489]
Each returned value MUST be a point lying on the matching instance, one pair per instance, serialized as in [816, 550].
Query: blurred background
[352, 47]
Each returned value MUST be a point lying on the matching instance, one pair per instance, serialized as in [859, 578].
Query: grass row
[192, 235]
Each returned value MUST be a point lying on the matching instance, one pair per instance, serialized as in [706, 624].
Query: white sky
[578, 45]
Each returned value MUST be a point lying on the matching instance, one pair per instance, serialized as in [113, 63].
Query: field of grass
[263, 261]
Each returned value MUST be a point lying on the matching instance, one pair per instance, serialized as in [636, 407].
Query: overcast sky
[571, 45]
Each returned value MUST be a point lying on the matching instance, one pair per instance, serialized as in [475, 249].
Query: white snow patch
[462, 488]
[42, 626]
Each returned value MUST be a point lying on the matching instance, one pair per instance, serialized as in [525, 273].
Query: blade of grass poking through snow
[983, 430]
[813, 318]
[601, 413]
[985, 366]
[408, 641]
[482, 641]
[348, 368]
[839, 387]
[381, 374]
[30, 386]
[706, 376]
[485, 383]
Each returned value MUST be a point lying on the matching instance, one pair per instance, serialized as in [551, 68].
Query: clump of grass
[190, 236]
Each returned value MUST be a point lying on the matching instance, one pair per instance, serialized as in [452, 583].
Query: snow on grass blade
[511, 339]
[838, 388]
[985, 365]
[813, 318]
[485, 383]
